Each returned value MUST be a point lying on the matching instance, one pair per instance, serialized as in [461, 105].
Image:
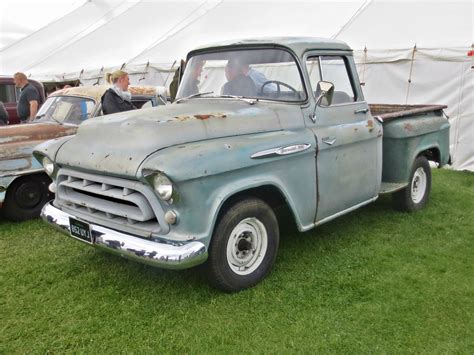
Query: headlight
[48, 166]
[163, 186]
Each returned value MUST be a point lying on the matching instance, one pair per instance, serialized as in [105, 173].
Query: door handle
[362, 110]
[329, 140]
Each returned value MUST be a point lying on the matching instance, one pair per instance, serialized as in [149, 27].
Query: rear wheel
[26, 196]
[415, 196]
[244, 246]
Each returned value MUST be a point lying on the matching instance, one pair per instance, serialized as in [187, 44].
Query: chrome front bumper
[145, 251]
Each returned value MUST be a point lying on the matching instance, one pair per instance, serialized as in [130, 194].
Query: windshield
[66, 109]
[270, 74]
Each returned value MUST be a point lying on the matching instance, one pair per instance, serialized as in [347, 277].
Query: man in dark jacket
[117, 98]
[238, 83]
[29, 100]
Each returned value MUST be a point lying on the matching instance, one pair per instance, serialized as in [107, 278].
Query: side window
[7, 93]
[312, 66]
[334, 70]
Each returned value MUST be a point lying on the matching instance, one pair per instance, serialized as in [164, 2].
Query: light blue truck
[270, 124]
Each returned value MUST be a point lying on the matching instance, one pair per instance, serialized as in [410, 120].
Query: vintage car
[23, 183]
[273, 124]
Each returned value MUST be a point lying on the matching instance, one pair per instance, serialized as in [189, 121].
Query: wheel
[415, 196]
[244, 246]
[26, 196]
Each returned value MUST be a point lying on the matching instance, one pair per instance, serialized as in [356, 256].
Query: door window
[334, 69]
[7, 93]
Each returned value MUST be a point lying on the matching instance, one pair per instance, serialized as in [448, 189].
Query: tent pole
[411, 72]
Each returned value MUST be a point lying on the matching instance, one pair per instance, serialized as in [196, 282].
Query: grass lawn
[374, 281]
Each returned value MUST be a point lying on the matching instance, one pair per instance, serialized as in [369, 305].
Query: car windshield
[270, 74]
[66, 109]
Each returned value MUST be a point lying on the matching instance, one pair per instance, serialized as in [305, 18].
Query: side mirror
[325, 90]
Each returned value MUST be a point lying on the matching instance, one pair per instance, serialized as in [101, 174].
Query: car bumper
[149, 252]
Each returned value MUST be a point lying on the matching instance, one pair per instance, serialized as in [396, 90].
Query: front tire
[416, 195]
[244, 246]
[26, 196]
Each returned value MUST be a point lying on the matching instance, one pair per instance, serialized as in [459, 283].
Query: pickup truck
[23, 182]
[278, 123]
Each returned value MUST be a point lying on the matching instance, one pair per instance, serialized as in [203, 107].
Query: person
[192, 85]
[259, 79]
[3, 115]
[28, 102]
[117, 98]
[238, 83]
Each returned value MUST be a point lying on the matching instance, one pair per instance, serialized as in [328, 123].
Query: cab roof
[299, 45]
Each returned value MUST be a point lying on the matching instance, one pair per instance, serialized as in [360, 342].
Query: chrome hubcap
[418, 185]
[247, 246]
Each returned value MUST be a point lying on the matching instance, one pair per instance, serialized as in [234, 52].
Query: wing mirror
[325, 91]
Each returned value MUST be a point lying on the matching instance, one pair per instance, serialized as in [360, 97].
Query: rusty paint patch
[200, 116]
[370, 125]
[408, 127]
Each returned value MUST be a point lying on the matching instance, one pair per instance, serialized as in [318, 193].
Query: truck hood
[17, 142]
[117, 144]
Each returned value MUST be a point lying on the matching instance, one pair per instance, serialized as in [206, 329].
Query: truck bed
[388, 112]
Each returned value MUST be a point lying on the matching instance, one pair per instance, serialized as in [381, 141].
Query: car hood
[117, 144]
[18, 141]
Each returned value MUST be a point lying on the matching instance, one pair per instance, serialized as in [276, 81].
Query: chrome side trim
[159, 254]
[290, 149]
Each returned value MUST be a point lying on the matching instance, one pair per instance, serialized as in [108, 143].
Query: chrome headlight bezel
[163, 186]
[48, 166]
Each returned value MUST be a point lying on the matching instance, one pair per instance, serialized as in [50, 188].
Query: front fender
[207, 173]
[50, 148]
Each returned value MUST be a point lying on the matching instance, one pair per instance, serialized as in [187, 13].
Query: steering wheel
[278, 84]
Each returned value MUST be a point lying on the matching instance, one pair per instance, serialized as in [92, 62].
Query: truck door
[349, 140]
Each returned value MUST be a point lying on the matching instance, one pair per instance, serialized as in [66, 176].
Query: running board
[389, 187]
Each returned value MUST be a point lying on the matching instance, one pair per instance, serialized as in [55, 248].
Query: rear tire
[416, 195]
[244, 246]
[26, 196]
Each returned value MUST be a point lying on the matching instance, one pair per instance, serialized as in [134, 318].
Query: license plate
[80, 230]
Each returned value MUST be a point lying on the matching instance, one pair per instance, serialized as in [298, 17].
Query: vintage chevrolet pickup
[275, 123]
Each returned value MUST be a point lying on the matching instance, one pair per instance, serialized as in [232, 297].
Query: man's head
[119, 78]
[20, 79]
[233, 69]
[197, 69]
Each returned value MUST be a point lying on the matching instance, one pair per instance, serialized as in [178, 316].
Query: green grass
[374, 281]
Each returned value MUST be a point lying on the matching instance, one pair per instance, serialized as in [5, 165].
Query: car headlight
[163, 186]
[48, 166]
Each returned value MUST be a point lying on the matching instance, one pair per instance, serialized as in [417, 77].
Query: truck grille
[111, 201]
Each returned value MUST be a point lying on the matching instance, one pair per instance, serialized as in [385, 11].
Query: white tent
[146, 37]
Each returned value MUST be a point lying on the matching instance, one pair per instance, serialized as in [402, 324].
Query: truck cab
[258, 125]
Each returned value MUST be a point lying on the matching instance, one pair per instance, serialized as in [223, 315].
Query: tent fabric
[406, 52]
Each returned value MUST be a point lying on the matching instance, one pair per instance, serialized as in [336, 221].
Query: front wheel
[416, 195]
[26, 196]
[244, 246]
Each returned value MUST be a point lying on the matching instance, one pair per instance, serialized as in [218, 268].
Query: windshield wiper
[248, 100]
[192, 96]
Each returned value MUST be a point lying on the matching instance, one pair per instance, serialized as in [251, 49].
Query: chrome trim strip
[149, 252]
[290, 149]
